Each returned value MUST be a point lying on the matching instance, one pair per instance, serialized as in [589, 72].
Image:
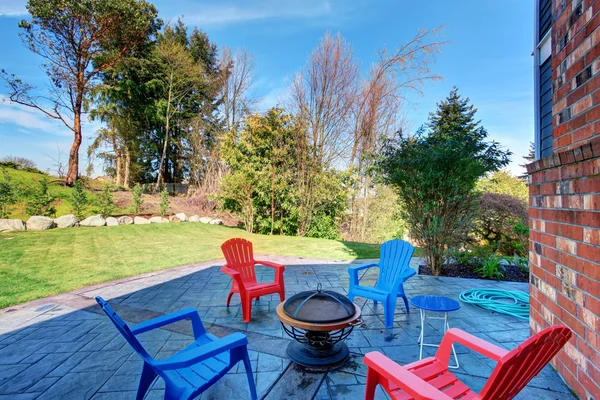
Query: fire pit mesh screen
[319, 339]
[318, 306]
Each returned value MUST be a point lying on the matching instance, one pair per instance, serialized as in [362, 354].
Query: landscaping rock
[38, 223]
[205, 220]
[125, 220]
[194, 218]
[140, 221]
[112, 221]
[94, 220]
[173, 218]
[216, 222]
[159, 220]
[66, 221]
[182, 217]
[7, 225]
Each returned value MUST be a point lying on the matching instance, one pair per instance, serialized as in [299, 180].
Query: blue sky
[488, 58]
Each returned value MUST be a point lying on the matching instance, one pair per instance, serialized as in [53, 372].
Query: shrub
[106, 202]
[79, 199]
[501, 221]
[40, 201]
[136, 199]
[19, 163]
[164, 202]
[491, 267]
[8, 195]
[435, 174]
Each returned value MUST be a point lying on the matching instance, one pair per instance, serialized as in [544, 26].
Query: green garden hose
[510, 302]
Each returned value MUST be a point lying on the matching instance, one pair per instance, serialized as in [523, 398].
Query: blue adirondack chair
[193, 370]
[393, 272]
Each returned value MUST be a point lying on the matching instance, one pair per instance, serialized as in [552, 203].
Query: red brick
[572, 232]
[590, 269]
[586, 218]
[571, 171]
[588, 285]
[566, 303]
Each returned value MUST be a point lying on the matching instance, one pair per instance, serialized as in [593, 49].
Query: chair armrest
[269, 264]
[279, 269]
[406, 380]
[154, 323]
[194, 356]
[455, 335]
[353, 271]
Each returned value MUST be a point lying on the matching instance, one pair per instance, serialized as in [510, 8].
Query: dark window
[546, 108]
[545, 18]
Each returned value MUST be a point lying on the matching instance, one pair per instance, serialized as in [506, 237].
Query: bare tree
[322, 96]
[238, 99]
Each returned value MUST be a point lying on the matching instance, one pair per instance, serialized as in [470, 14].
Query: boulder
[182, 217]
[205, 220]
[112, 221]
[173, 218]
[159, 220]
[140, 221]
[94, 220]
[125, 220]
[216, 222]
[7, 225]
[38, 223]
[194, 218]
[66, 221]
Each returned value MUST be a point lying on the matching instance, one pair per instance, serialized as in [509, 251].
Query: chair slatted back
[394, 260]
[518, 367]
[123, 329]
[240, 257]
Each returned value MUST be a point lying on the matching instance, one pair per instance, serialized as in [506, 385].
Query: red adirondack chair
[240, 267]
[430, 379]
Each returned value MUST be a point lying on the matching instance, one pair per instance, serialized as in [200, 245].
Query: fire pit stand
[318, 321]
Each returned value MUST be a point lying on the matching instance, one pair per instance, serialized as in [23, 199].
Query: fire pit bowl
[318, 321]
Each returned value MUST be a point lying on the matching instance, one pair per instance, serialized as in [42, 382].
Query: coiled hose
[510, 302]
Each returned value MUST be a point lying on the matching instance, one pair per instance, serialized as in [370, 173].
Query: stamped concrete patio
[64, 348]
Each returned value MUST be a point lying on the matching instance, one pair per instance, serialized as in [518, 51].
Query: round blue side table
[438, 304]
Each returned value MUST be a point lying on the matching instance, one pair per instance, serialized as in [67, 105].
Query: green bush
[40, 201]
[165, 202]
[136, 199]
[8, 195]
[106, 202]
[79, 199]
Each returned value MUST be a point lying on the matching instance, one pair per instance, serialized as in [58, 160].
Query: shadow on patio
[64, 347]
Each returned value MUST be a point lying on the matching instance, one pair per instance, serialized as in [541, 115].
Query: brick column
[564, 259]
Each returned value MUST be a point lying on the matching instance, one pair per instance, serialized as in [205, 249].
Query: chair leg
[281, 296]
[148, 376]
[372, 382]
[248, 367]
[388, 311]
[247, 309]
[406, 303]
[229, 298]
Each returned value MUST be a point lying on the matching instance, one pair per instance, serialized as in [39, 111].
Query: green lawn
[39, 264]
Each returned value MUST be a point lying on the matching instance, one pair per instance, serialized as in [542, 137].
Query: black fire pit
[318, 321]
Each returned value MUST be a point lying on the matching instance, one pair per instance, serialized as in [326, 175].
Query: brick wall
[576, 67]
[564, 199]
[564, 258]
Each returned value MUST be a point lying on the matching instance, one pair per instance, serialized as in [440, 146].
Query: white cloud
[29, 118]
[232, 13]
[12, 8]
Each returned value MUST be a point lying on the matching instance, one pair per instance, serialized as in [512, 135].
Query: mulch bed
[511, 273]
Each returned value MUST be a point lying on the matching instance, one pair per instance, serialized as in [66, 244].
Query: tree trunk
[164, 152]
[73, 171]
[127, 168]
